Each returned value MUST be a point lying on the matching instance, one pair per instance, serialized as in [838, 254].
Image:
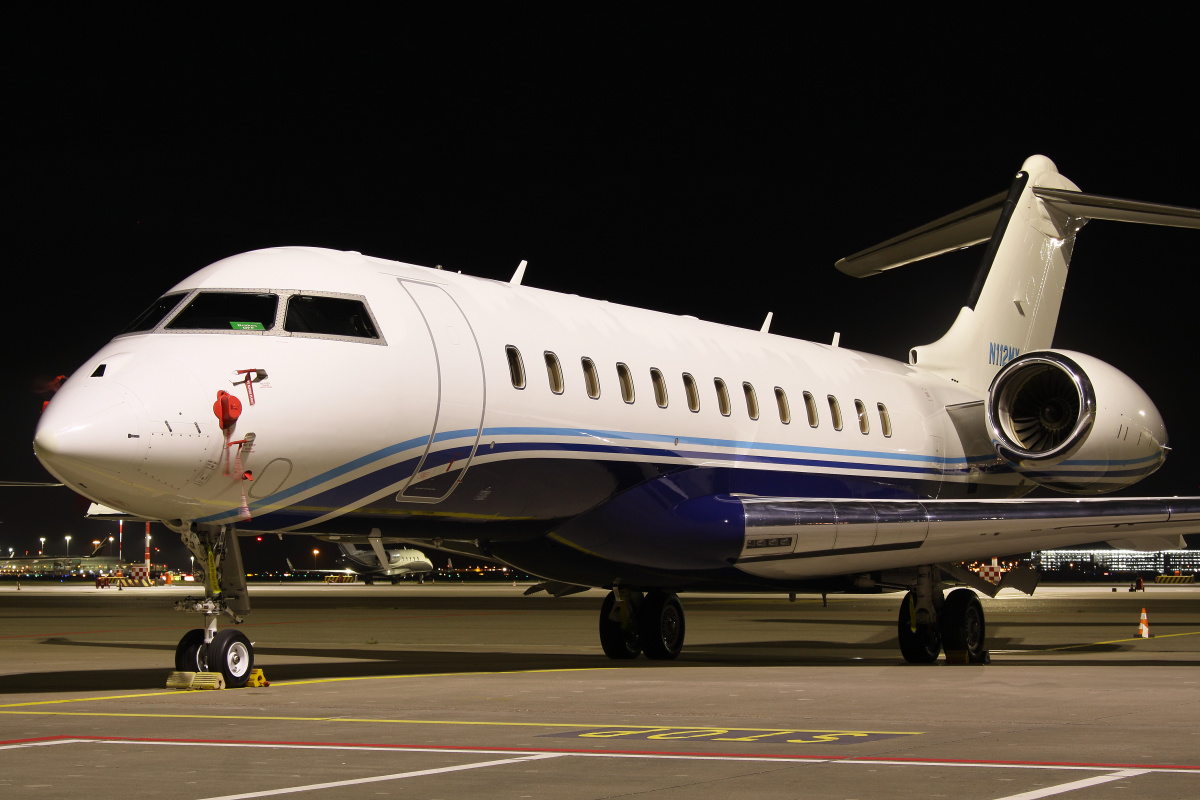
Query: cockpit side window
[155, 314]
[223, 311]
[328, 316]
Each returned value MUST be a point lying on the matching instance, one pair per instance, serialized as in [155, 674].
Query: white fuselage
[420, 432]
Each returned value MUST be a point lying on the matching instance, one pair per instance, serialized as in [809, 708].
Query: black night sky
[709, 163]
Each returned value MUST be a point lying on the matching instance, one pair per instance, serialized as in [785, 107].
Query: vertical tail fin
[1015, 301]
[1014, 304]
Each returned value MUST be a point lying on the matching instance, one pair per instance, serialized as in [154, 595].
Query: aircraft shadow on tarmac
[383, 662]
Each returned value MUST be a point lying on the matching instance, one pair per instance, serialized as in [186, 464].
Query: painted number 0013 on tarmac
[758, 735]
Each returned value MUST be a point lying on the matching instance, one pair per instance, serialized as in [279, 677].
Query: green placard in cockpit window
[247, 326]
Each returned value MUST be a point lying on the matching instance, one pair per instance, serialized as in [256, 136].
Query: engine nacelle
[1071, 422]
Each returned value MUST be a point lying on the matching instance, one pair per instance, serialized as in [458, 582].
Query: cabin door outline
[461, 396]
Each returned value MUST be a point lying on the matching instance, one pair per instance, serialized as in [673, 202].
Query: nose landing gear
[207, 649]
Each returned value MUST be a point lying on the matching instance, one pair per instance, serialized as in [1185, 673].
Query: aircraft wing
[875, 534]
[343, 571]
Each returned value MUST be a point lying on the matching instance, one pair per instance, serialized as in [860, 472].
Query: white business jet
[376, 561]
[302, 390]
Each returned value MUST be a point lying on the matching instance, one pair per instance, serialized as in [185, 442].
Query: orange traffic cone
[1144, 626]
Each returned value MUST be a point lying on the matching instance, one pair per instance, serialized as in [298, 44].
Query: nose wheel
[191, 654]
[231, 654]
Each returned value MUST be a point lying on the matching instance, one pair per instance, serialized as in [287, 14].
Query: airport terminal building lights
[1159, 562]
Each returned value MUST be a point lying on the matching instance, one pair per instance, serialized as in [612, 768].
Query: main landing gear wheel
[963, 626]
[919, 644]
[619, 637]
[661, 625]
[191, 654]
[231, 654]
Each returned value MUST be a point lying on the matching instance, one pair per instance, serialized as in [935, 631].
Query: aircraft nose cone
[91, 430]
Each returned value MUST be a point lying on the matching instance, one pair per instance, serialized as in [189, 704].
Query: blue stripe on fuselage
[353, 492]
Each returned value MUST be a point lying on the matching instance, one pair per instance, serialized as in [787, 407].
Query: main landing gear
[208, 649]
[930, 622]
[633, 623]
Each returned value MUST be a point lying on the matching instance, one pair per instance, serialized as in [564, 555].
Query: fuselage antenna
[519, 275]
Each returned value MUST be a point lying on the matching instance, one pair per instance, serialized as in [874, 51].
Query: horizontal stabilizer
[1094, 206]
[965, 227]
[976, 223]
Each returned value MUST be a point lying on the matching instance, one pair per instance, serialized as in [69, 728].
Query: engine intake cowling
[1074, 423]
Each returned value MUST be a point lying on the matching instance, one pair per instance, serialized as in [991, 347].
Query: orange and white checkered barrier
[992, 573]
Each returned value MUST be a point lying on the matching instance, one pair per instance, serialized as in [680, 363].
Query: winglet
[519, 275]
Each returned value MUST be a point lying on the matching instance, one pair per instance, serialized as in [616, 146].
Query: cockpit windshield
[223, 311]
[319, 315]
[329, 316]
[155, 314]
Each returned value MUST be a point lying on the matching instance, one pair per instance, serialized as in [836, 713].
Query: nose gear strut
[208, 649]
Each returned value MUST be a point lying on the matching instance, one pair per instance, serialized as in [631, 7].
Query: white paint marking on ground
[470, 751]
[44, 744]
[538, 754]
[397, 776]
[1073, 785]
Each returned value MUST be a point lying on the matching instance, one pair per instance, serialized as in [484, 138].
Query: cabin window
[328, 316]
[224, 311]
[516, 369]
[785, 413]
[751, 400]
[156, 313]
[591, 378]
[864, 422]
[885, 420]
[626, 379]
[722, 396]
[810, 406]
[835, 413]
[692, 392]
[554, 372]
[660, 387]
